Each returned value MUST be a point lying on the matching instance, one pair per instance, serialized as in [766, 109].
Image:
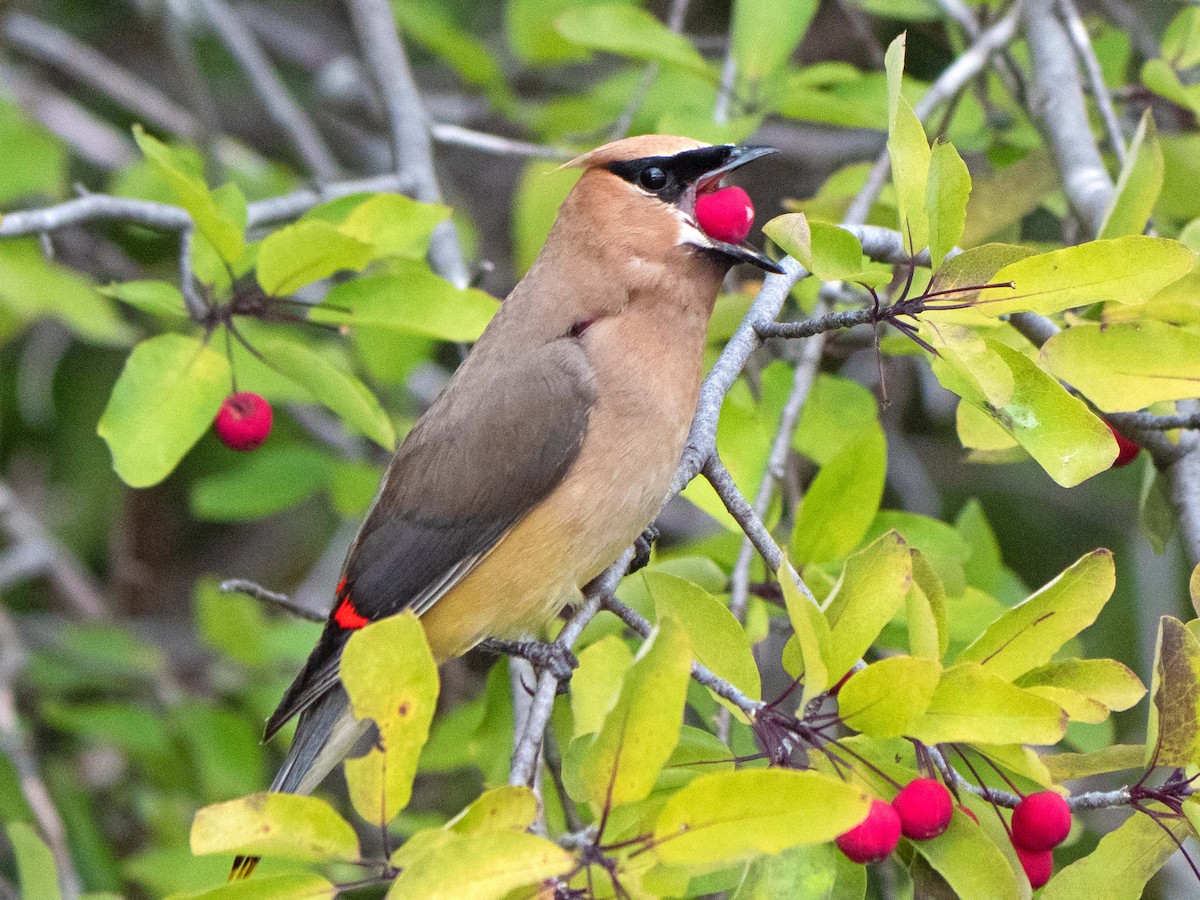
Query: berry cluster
[923, 808]
[1039, 824]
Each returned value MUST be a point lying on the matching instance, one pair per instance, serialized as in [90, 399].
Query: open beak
[743, 252]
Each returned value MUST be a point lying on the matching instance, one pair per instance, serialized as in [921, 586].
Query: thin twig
[1091, 65]
[279, 601]
[408, 124]
[283, 110]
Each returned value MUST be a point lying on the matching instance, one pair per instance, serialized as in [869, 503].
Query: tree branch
[1082, 43]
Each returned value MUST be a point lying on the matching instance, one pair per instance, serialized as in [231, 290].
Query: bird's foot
[550, 657]
[641, 549]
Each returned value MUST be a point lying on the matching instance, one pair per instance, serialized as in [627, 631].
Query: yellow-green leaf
[884, 698]
[1140, 183]
[1029, 634]
[623, 760]
[411, 299]
[828, 251]
[339, 390]
[973, 705]
[628, 31]
[1173, 727]
[272, 824]
[394, 225]
[766, 32]
[971, 864]
[597, 682]
[811, 638]
[717, 638]
[1117, 758]
[293, 886]
[304, 252]
[841, 501]
[1122, 862]
[480, 867]
[1106, 681]
[946, 193]
[1127, 269]
[165, 398]
[506, 808]
[36, 873]
[909, 151]
[1126, 366]
[869, 593]
[391, 677]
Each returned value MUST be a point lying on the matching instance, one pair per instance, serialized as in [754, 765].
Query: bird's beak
[743, 252]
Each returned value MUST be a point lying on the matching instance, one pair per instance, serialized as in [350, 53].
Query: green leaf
[260, 484]
[596, 684]
[532, 35]
[293, 886]
[165, 399]
[1126, 366]
[304, 252]
[717, 638]
[484, 866]
[883, 699]
[765, 33]
[220, 221]
[870, 592]
[811, 638]
[1126, 269]
[232, 624]
[909, 151]
[36, 872]
[1159, 77]
[971, 864]
[941, 547]
[1173, 727]
[508, 808]
[1029, 634]
[837, 411]
[731, 816]
[273, 824]
[971, 704]
[411, 299]
[1057, 429]
[1140, 183]
[1065, 767]
[392, 224]
[1181, 40]
[809, 872]
[340, 391]
[969, 366]
[628, 31]
[828, 251]
[1001, 200]
[35, 161]
[391, 677]
[842, 500]
[623, 760]
[158, 298]
[946, 193]
[1122, 862]
[1106, 681]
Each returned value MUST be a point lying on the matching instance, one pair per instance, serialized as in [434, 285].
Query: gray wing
[496, 443]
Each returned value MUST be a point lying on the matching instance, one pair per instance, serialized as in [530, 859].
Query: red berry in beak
[244, 421]
[725, 215]
[874, 837]
[1041, 821]
[1038, 865]
[925, 808]
[1127, 450]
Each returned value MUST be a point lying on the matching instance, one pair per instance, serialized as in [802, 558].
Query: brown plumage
[555, 443]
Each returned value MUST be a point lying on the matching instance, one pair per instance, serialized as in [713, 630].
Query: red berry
[1127, 450]
[924, 807]
[725, 215]
[244, 421]
[874, 837]
[1038, 865]
[1041, 821]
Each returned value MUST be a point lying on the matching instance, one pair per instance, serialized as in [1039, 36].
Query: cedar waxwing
[554, 444]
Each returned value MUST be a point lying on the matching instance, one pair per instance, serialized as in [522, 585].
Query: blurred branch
[34, 551]
[1091, 65]
[15, 745]
[61, 51]
[408, 123]
[1151, 422]
[285, 112]
[1006, 66]
[279, 601]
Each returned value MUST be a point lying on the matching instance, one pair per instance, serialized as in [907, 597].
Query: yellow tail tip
[243, 867]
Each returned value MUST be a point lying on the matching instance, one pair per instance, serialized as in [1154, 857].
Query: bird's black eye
[652, 178]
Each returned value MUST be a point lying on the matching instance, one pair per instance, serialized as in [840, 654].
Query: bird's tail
[326, 733]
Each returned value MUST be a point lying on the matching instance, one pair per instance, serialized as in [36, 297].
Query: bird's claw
[553, 657]
[641, 549]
